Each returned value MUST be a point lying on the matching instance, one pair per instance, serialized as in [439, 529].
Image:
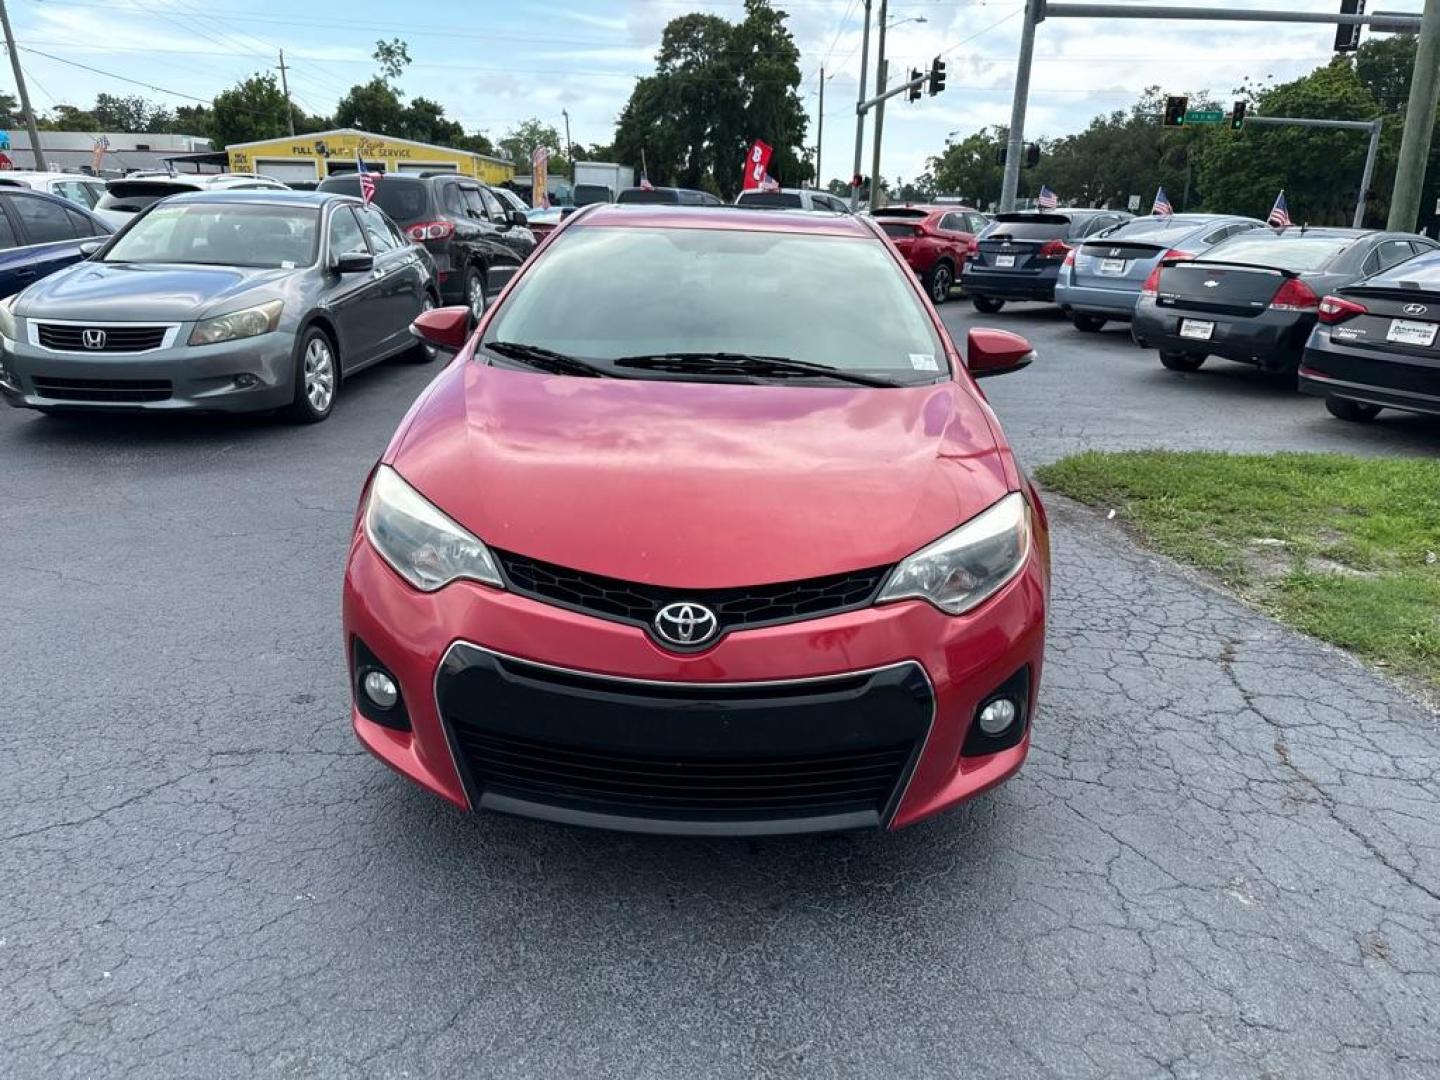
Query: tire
[422, 353]
[475, 293]
[939, 281]
[1357, 412]
[314, 393]
[1089, 324]
[1179, 361]
[987, 305]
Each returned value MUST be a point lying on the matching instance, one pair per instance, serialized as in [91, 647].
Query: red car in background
[935, 240]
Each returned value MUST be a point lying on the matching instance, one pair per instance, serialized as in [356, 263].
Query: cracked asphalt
[1221, 860]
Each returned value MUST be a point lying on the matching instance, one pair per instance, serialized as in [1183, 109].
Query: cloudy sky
[494, 62]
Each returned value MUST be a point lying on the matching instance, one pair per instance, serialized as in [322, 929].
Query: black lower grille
[638, 603]
[105, 339]
[106, 390]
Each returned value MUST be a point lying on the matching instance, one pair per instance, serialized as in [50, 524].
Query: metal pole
[876, 198]
[1368, 175]
[1419, 123]
[820, 133]
[29, 113]
[285, 85]
[1016, 150]
[569, 146]
[860, 112]
[1392, 21]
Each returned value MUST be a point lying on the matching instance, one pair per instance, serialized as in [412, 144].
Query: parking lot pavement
[1220, 860]
[1101, 391]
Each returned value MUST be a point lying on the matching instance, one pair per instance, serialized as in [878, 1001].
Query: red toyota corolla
[707, 530]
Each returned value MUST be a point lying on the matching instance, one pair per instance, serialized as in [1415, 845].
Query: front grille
[735, 609]
[117, 339]
[107, 390]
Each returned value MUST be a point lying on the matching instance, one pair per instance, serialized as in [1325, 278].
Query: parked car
[220, 301]
[1100, 278]
[724, 539]
[1018, 255]
[40, 234]
[668, 195]
[81, 190]
[508, 199]
[131, 194]
[543, 221]
[1375, 346]
[1256, 297]
[935, 240]
[792, 199]
[476, 241]
[585, 194]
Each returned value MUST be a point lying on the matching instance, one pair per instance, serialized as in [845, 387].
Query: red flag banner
[757, 164]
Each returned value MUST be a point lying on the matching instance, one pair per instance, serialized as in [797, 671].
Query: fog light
[245, 381]
[381, 689]
[994, 718]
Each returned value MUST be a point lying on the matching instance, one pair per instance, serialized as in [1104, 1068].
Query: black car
[1256, 297]
[1376, 347]
[1018, 256]
[477, 242]
[671, 196]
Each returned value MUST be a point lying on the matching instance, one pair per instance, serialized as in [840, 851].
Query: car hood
[700, 485]
[139, 292]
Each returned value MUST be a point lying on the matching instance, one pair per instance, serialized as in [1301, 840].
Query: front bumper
[1272, 340]
[234, 376]
[515, 705]
[1093, 300]
[1009, 285]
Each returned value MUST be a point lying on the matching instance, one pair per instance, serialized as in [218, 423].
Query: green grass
[1343, 548]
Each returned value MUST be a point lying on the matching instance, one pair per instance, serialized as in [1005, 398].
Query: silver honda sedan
[225, 301]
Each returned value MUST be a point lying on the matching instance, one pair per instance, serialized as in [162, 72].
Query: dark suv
[477, 241]
[1018, 256]
[671, 196]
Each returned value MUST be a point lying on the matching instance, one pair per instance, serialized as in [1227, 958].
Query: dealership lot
[1219, 860]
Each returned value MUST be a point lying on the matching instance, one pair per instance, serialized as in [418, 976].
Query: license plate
[1004, 261]
[1406, 332]
[1112, 267]
[1198, 329]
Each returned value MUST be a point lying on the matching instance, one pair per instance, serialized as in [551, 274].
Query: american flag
[1280, 215]
[1047, 199]
[769, 183]
[367, 180]
[1162, 207]
[645, 184]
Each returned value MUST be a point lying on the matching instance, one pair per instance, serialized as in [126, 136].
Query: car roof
[932, 208]
[1295, 232]
[278, 197]
[738, 218]
[10, 176]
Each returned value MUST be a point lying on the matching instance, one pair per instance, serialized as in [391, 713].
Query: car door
[353, 300]
[13, 259]
[398, 297]
[77, 191]
[46, 230]
[957, 237]
[503, 257]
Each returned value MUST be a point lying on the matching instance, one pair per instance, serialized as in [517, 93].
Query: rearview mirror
[91, 248]
[445, 328]
[517, 217]
[996, 352]
[355, 262]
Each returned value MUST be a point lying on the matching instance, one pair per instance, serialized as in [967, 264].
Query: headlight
[963, 567]
[7, 317]
[424, 546]
[238, 324]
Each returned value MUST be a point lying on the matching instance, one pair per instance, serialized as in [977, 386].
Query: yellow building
[308, 159]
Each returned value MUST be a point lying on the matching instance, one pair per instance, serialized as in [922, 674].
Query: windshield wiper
[732, 363]
[557, 363]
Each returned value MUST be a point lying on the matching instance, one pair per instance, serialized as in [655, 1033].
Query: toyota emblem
[1415, 309]
[686, 624]
[93, 339]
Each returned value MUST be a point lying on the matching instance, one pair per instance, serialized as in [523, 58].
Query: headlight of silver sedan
[966, 566]
[249, 322]
[424, 546]
[7, 317]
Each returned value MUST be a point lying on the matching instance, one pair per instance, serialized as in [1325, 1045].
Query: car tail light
[430, 230]
[1152, 283]
[1054, 249]
[1070, 257]
[1334, 309]
[1294, 295]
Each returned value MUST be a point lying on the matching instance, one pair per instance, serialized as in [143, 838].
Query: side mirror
[355, 262]
[996, 352]
[446, 328]
[91, 248]
[517, 217]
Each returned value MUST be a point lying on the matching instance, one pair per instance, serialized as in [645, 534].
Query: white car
[80, 189]
[792, 199]
[129, 195]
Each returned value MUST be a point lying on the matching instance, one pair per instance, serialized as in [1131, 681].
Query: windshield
[640, 195]
[1299, 254]
[1028, 226]
[776, 200]
[1160, 231]
[838, 301]
[137, 195]
[404, 198]
[221, 234]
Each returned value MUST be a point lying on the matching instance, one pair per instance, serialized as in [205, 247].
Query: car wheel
[1180, 361]
[475, 294]
[939, 281]
[987, 304]
[1089, 324]
[422, 353]
[317, 378]
[1357, 412]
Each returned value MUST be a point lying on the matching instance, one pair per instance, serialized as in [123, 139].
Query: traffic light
[1032, 155]
[1347, 38]
[937, 76]
[914, 92]
[1237, 116]
[1175, 111]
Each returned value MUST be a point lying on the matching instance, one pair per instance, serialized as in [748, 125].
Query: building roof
[317, 135]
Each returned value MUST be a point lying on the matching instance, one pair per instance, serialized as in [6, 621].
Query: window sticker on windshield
[923, 362]
[287, 264]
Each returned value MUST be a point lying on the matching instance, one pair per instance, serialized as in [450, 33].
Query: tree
[252, 109]
[372, 106]
[424, 121]
[523, 139]
[970, 168]
[393, 56]
[10, 112]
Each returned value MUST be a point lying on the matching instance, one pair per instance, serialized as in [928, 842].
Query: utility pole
[1419, 121]
[569, 146]
[1010, 186]
[25, 108]
[820, 133]
[859, 113]
[285, 85]
[880, 77]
